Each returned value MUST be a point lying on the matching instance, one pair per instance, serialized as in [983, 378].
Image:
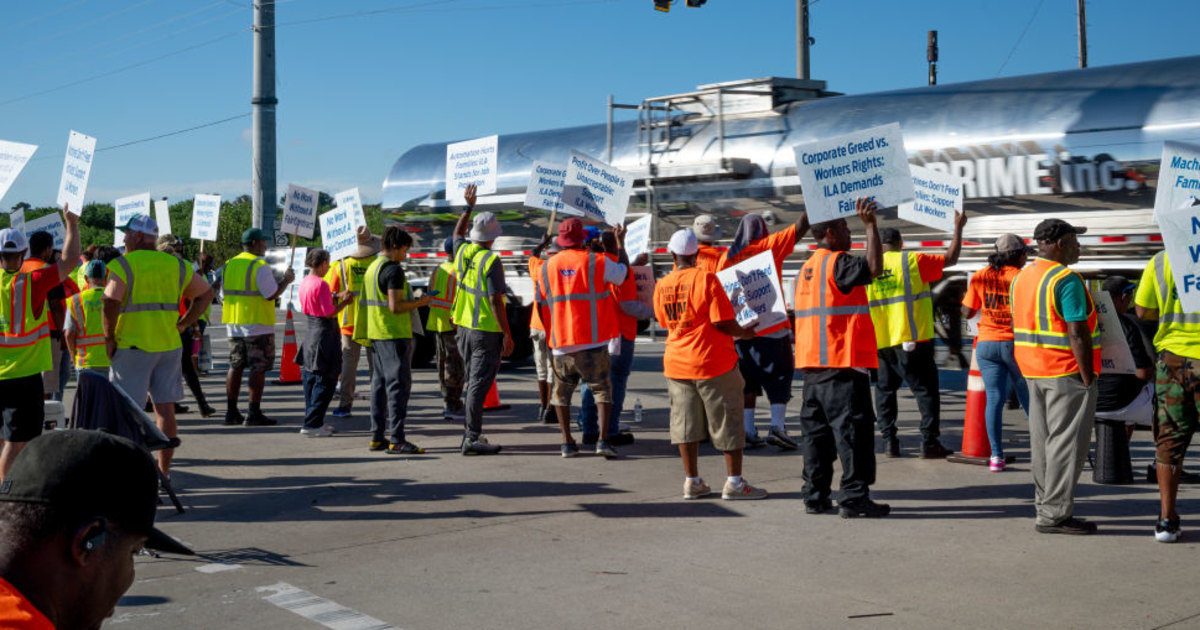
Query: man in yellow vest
[347, 275]
[902, 311]
[249, 290]
[1056, 343]
[442, 288]
[142, 323]
[83, 329]
[483, 333]
[25, 335]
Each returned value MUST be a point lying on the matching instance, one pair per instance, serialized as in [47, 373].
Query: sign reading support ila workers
[337, 233]
[349, 200]
[206, 210]
[1181, 238]
[1178, 177]
[126, 208]
[937, 197]
[13, 157]
[637, 238]
[471, 162]
[544, 190]
[300, 211]
[836, 171]
[52, 223]
[1115, 355]
[596, 189]
[753, 288]
[77, 168]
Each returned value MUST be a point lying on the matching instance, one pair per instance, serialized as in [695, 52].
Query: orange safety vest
[833, 330]
[1041, 344]
[580, 304]
[535, 272]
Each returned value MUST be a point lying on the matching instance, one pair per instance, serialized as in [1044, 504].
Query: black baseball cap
[889, 235]
[1054, 229]
[1118, 285]
[88, 474]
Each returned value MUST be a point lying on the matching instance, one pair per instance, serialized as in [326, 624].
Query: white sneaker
[741, 491]
[325, 431]
[694, 490]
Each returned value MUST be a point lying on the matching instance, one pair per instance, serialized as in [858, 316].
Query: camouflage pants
[451, 371]
[1176, 385]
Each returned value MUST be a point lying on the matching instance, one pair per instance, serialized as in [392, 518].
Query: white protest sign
[937, 196]
[637, 237]
[544, 190]
[52, 223]
[16, 220]
[77, 167]
[644, 277]
[596, 189]
[300, 211]
[1115, 355]
[753, 288]
[868, 163]
[1181, 238]
[13, 157]
[471, 162]
[349, 200]
[162, 216]
[337, 233]
[1178, 177]
[277, 258]
[126, 208]
[206, 211]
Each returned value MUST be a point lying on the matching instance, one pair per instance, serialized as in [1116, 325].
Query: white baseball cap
[13, 241]
[706, 227]
[140, 223]
[683, 243]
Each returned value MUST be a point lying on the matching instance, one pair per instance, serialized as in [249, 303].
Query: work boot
[863, 508]
[233, 416]
[892, 447]
[935, 450]
[257, 419]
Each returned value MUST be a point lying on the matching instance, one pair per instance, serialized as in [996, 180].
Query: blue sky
[356, 92]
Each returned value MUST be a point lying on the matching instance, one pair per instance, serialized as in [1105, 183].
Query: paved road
[296, 532]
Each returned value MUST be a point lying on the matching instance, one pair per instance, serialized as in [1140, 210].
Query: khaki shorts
[541, 356]
[590, 366]
[711, 408]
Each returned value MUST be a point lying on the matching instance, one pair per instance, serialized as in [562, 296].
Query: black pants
[480, 351]
[919, 370]
[837, 422]
[190, 375]
[391, 383]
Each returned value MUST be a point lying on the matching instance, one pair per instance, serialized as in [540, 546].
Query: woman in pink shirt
[320, 355]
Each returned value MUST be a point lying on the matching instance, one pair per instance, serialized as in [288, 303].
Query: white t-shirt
[267, 288]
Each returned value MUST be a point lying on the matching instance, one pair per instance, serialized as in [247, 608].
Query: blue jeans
[619, 370]
[997, 365]
[318, 393]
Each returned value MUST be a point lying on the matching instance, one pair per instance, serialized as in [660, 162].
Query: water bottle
[637, 411]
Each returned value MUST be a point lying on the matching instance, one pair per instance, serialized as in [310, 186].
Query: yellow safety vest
[350, 271]
[378, 321]
[472, 302]
[901, 304]
[86, 309]
[1178, 332]
[244, 305]
[154, 283]
[442, 304]
[24, 337]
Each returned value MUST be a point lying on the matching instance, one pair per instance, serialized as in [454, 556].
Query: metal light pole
[931, 56]
[802, 68]
[1082, 13]
[263, 192]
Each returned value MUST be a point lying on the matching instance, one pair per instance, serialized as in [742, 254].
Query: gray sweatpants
[391, 384]
[480, 351]
[1061, 414]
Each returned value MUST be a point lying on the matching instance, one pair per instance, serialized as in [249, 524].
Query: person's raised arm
[70, 254]
[464, 221]
[866, 211]
[540, 247]
[802, 225]
[622, 255]
[955, 248]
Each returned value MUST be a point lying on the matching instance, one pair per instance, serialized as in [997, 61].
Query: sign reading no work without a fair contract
[471, 162]
[834, 172]
[937, 197]
[337, 233]
[300, 211]
[1181, 238]
[162, 216]
[13, 157]
[206, 211]
[77, 168]
[544, 191]
[125, 209]
[637, 238]
[350, 200]
[753, 288]
[596, 189]
[1178, 178]
[52, 223]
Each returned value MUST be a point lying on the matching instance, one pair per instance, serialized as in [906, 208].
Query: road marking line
[318, 609]
[217, 567]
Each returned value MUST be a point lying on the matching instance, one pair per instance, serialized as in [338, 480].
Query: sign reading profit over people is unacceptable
[471, 162]
[13, 157]
[206, 210]
[337, 233]
[936, 197]
[77, 168]
[836, 171]
[300, 211]
[753, 288]
[1178, 177]
[596, 189]
[1181, 238]
[126, 208]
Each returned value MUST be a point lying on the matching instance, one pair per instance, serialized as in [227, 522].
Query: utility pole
[802, 40]
[931, 55]
[1082, 13]
[263, 193]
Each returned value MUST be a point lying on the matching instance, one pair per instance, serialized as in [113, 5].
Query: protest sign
[350, 200]
[277, 259]
[337, 233]
[753, 288]
[1178, 177]
[16, 220]
[77, 167]
[544, 190]
[13, 157]
[1181, 238]
[471, 162]
[868, 163]
[206, 210]
[300, 211]
[596, 189]
[126, 208]
[936, 197]
[644, 277]
[637, 237]
[52, 223]
[162, 216]
[1115, 355]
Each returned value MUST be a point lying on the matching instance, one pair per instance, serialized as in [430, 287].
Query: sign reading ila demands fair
[471, 162]
[13, 157]
[836, 171]
[300, 211]
[126, 208]
[350, 200]
[1181, 238]
[77, 168]
[596, 189]
[338, 233]
[1178, 177]
[753, 288]
[206, 211]
[937, 197]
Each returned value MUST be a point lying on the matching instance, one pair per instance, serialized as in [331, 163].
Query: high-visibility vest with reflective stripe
[442, 305]
[472, 302]
[350, 273]
[244, 305]
[1178, 332]
[535, 315]
[381, 322]
[1041, 344]
[154, 283]
[580, 304]
[833, 330]
[86, 308]
[24, 336]
[901, 304]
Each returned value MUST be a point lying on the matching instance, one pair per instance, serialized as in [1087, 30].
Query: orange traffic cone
[975, 446]
[492, 402]
[289, 372]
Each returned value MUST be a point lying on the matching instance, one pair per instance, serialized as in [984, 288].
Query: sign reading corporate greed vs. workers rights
[868, 163]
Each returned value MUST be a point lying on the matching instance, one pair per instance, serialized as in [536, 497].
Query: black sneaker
[863, 508]
[818, 506]
[779, 438]
[606, 449]
[621, 439]
[753, 441]
[405, 448]
[892, 448]
[1167, 531]
[570, 449]
[1073, 526]
[935, 451]
[258, 420]
[207, 411]
[479, 446]
[233, 416]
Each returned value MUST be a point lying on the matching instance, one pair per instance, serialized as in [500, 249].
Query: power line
[1021, 37]
[72, 29]
[156, 137]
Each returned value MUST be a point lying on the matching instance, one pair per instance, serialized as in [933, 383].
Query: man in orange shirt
[700, 364]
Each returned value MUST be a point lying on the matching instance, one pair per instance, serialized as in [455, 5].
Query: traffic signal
[696, 3]
[663, 5]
